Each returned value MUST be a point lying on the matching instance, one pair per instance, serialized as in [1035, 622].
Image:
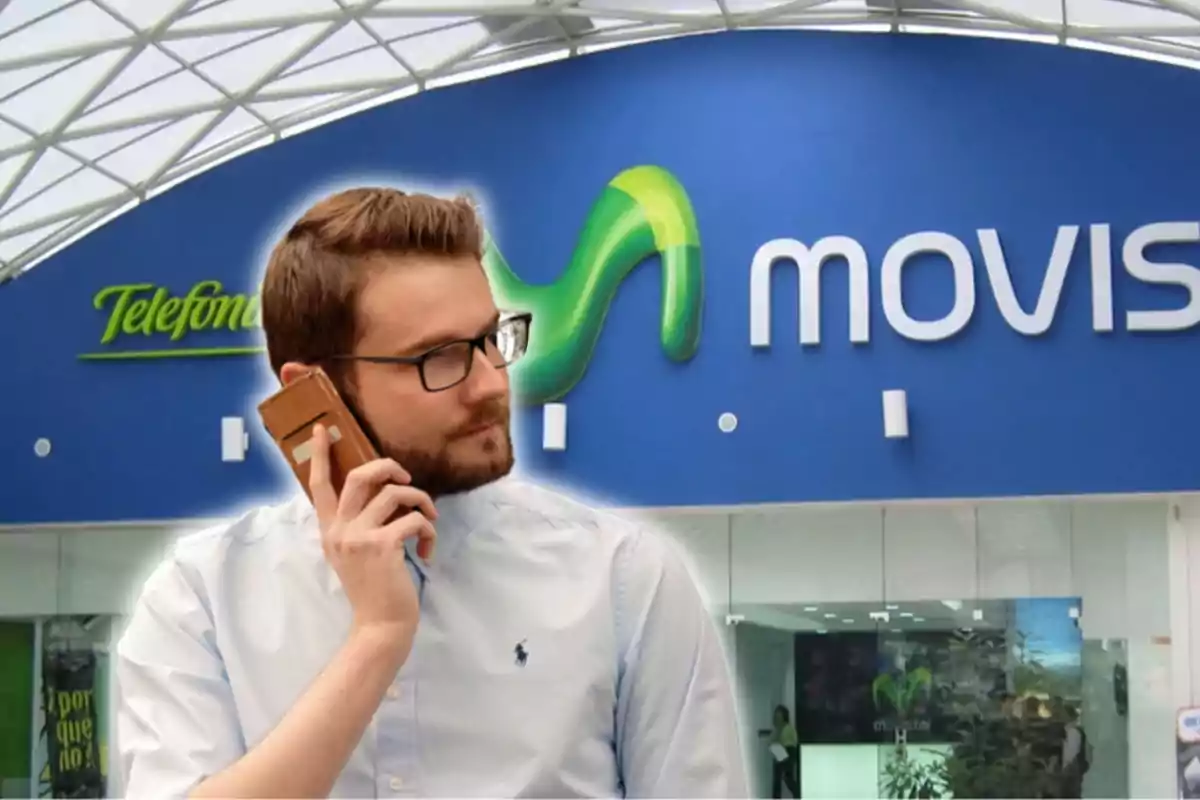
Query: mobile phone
[290, 415]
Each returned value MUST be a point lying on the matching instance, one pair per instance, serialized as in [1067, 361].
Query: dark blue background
[773, 134]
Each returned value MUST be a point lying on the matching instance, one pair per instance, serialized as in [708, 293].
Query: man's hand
[363, 534]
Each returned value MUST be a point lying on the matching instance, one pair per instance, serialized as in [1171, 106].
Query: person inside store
[1040, 744]
[438, 627]
[785, 754]
[1074, 749]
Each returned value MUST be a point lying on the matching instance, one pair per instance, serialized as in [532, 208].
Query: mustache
[492, 413]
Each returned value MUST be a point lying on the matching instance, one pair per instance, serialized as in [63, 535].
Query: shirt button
[396, 784]
[392, 694]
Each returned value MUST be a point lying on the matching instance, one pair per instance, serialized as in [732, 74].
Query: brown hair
[315, 272]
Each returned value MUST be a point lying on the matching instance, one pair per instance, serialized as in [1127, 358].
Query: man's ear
[293, 370]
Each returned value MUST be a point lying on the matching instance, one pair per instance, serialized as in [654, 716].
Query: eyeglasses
[449, 364]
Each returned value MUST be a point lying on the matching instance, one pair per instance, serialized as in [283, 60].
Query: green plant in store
[904, 778]
[991, 769]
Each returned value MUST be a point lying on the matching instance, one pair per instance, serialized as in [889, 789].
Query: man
[306, 650]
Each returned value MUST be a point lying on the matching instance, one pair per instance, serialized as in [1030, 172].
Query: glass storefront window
[1008, 648]
[63, 594]
[917, 649]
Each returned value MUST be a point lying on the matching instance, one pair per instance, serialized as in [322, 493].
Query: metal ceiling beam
[280, 21]
[184, 65]
[1180, 7]
[241, 100]
[379, 40]
[83, 102]
[465, 53]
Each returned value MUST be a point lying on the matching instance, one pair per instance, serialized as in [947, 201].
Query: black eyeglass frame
[478, 343]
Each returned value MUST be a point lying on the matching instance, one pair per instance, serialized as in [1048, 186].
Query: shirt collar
[459, 516]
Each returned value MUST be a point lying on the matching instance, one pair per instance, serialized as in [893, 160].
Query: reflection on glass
[71, 751]
[920, 700]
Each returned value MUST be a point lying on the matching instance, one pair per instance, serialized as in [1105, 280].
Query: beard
[444, 471]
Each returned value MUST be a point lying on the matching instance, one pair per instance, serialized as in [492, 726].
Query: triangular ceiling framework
[187, 84]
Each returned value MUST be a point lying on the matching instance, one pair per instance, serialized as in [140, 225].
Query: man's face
[452, 440]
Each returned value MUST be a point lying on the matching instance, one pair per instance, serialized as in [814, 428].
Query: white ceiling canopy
[105, 103]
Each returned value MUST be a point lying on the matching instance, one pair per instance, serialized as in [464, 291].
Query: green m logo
[642, 212]
[901, 690]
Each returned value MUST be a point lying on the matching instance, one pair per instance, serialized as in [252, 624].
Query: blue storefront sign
[1004, 231]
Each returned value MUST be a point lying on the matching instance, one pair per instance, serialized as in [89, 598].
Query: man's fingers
[415, 524]
[393, 497]
[364, 481]
[320, 485]
[427, 542]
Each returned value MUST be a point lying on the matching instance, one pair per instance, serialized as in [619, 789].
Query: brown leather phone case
[290, 414]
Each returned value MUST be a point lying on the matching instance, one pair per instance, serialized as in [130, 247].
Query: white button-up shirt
[562, 652]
